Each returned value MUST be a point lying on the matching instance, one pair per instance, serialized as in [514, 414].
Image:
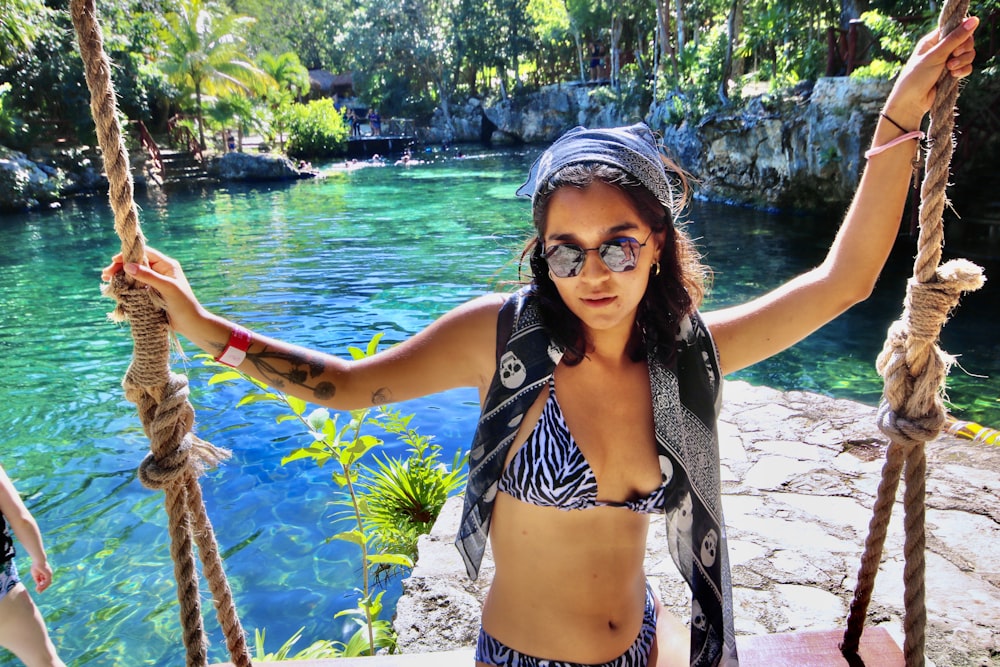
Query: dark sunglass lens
[620, 254]
[564, 260]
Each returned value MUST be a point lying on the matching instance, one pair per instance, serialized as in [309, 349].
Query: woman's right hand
[42, 574]
[165, 275]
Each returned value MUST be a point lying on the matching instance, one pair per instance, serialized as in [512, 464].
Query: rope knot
[160, 472]
[168, 421]
[911, 363]
[909, 431]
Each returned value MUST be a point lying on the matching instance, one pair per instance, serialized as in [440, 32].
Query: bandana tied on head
[632, 149]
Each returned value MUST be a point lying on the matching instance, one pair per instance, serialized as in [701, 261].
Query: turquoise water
[325, 263]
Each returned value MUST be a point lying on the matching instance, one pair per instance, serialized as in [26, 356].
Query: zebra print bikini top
[549, 470]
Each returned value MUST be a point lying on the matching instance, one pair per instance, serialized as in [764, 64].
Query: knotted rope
[177, 457]
[913, 368]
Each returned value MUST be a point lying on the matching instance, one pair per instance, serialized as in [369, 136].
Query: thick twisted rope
[913, 368]
[177, 457]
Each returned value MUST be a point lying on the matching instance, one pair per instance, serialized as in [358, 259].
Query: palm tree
[287, 71]
[205, 53]
[292, 80]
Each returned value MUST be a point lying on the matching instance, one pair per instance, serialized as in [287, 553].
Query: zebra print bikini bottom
[492, 652]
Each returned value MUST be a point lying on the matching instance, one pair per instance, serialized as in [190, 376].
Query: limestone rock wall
[803, 152]
[800, 151]
[44, 177]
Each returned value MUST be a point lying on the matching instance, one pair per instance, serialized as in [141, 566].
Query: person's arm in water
[26, 530]
[748, 333]
[457, 350]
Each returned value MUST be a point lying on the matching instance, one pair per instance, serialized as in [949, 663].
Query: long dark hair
[674, 292]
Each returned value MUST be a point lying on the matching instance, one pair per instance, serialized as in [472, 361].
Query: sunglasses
[621, 254]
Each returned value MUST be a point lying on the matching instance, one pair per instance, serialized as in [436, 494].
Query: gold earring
[656, 268]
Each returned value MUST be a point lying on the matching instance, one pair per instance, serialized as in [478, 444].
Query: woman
[600, 385]
[22, 629]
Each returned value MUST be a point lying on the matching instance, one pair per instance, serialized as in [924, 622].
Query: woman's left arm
[767, 325]
[26, 530]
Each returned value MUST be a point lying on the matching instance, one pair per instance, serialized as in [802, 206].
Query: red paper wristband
[235, 350]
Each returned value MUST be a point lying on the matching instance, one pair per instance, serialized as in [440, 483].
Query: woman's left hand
[916, 86]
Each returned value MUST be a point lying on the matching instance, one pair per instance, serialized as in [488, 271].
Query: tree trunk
[579, 52]
[665, 37]
[727, 64]
[616, 35]
[680, 26]
[201, 118]
[739, 63]
[445, 104]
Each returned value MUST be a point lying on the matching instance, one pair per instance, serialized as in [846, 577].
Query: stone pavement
[799, 474]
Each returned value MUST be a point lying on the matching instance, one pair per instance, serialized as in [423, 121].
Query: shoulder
[480, 311]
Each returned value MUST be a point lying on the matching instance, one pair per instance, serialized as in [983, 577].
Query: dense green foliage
[315, 129]
[410, 57]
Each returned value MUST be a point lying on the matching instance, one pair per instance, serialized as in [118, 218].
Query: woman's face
[604, 300]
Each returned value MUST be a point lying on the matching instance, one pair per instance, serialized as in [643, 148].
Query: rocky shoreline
[47, 177]
[799, 474]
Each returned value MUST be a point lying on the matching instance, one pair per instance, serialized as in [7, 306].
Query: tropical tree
[403, 53]
[556, 37]
[292, 80]
[205, 54]
[21, 22]
[313, 29]
[49, 92]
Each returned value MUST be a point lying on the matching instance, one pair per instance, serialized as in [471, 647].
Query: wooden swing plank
[819, 648]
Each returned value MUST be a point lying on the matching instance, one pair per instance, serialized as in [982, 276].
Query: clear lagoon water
[326, 263]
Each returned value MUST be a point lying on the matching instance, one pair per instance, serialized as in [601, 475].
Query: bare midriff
[569, 585]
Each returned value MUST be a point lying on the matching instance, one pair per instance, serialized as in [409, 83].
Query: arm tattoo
[302, 370]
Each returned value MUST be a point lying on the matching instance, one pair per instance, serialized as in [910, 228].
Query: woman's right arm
[457, 350]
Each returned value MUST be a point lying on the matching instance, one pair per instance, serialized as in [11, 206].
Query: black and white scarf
[686, 399]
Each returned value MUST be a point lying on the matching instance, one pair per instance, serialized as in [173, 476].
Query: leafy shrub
[697, 90]
[895, 42]
[316, 130]
[402, 499]
[324, 648]
[13, 130]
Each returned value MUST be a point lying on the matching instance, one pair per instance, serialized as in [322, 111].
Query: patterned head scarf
[632, 149]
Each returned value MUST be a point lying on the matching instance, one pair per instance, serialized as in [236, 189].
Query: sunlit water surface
[325, 263]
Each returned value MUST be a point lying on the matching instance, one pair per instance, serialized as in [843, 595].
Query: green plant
[389, 505]
[10, 124]
[345, 446]
[315, 129]
[322, 648]
[402, 499]
[895, 42]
